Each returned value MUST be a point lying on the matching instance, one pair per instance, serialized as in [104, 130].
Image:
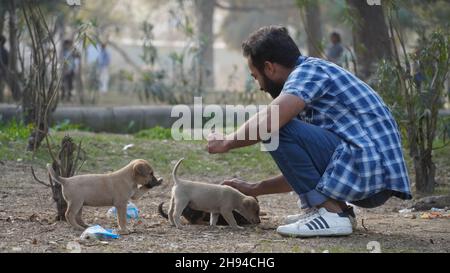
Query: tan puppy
[215, 199]
[113, 189]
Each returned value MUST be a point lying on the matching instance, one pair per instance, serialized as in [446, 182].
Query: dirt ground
[27, 225]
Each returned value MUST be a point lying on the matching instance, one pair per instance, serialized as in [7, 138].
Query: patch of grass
[66, 125]
[14, 130]
[157, 133]
[105, 152]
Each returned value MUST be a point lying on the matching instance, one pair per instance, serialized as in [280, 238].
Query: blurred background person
[103, 62]
[335, 51]
[70, 67]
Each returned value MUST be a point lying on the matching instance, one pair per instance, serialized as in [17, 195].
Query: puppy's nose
[156, 181]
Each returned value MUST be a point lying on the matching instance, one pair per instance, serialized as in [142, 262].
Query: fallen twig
[362, 224]
[39, 181]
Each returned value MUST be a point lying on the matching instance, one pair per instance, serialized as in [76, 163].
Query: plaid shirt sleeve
[312, 86]
[370, 157]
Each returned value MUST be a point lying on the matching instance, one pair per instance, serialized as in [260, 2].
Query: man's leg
[303, 155]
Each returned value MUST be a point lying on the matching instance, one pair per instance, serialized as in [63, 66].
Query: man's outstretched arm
[289, 106]
[273, 185]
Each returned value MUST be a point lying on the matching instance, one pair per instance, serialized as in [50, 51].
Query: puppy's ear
[248, 201]
[141, 169]
[251, 203]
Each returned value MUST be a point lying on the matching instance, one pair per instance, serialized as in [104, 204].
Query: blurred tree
[42, 77]
[12, 72]
[15, 77]
[370, 36]
[311, 16]
[2, 26]
[2, 18]
[246, 16]
[204, 15]
[414, 87]
[422, 15]
[110, 17]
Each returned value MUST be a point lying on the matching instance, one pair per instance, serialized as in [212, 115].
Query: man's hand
[217, 144]
[242, 186]
[273, 185]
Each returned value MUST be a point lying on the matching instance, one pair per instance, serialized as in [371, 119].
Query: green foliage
[14, 130]
[66, 125]
[387, 85]
[150, 53]
[85, 34]
[425, 80]
[180, 84]
[156, 133]
[413, 85]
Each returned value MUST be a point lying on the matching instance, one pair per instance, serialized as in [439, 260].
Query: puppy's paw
[123, 232]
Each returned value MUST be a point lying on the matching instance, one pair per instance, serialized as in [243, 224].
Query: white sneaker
[290, 219]
[323, 223]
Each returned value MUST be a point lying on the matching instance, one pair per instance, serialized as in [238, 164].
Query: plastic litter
[409, 216]
[132, 212]
[406, 210]
[127, 147]
[98, 233]
[435, 215]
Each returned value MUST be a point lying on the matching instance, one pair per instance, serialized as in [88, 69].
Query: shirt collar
[301, 59]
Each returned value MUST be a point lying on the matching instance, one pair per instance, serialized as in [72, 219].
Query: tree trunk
[2, 27]
[314, 29]
[12, 77]
[61, 204]
[370, 36]
[204, 13]
[68, 157]
[2, 19]
[425, 175]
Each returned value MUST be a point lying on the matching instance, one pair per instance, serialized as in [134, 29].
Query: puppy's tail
[161, 211]
[54, 176]
[174, 173]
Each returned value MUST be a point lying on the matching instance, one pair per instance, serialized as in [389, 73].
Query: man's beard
[271, 87]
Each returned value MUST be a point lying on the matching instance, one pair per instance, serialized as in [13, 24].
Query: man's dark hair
[2, 40]
[271, 44]
[337, 36]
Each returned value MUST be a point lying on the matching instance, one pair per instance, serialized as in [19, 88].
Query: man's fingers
[215, 136]
[228, 182]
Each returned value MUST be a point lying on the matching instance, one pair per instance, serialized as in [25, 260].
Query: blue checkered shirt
[370, 157]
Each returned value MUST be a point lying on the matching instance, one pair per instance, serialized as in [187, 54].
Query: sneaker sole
[352, 220]
[336, 232]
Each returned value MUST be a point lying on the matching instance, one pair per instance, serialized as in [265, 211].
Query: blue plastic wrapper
[132, 212]
[98, 232]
